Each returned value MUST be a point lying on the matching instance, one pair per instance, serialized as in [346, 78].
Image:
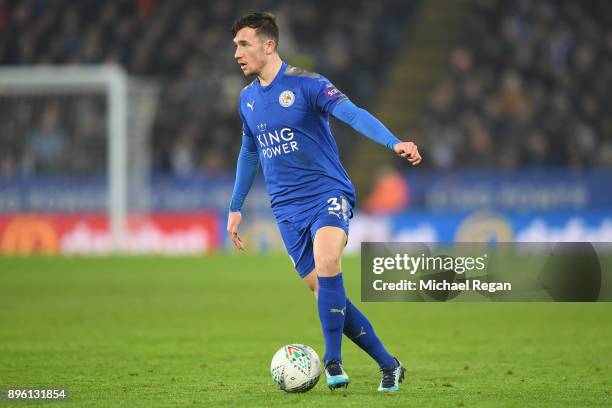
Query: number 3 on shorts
[336, 206]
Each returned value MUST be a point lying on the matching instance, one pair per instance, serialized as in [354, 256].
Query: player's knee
[327, 264]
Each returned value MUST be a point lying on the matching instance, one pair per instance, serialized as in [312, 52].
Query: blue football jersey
[289, 123]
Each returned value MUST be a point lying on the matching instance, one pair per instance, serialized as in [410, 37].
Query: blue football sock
[358, 328]
[331, 303]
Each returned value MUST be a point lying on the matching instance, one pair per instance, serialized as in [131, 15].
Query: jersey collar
[280, 73]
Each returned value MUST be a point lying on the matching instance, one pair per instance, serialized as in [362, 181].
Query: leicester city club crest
[286, 99]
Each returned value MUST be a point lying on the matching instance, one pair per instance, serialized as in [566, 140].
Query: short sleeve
[324, 95]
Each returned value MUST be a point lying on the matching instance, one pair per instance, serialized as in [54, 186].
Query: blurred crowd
[52, 135]
[529, 86]
[185, 45]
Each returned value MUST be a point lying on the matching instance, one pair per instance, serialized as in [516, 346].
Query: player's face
[251, 51]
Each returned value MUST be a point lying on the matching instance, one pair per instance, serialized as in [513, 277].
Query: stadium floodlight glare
[111, 80]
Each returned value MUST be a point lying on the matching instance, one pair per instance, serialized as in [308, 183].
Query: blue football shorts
[299, 231]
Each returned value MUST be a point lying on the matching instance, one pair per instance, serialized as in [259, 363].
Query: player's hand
[233, 223]
[408, 151]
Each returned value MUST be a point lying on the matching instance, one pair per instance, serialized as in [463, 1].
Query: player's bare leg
[311, 282]
[329, 263]
[328, 244]
[331, 300]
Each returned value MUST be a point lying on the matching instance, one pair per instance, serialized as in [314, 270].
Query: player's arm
[365, 123]
[246, 170]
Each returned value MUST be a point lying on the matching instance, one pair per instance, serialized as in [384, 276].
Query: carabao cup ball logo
[298, 357]
[286, 99]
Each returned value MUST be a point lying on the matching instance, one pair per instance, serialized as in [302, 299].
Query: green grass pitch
[178, 332]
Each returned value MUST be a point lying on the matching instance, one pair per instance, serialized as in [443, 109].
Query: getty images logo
[275, 143]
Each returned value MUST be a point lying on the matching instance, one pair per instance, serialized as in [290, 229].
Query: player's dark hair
[264, 24]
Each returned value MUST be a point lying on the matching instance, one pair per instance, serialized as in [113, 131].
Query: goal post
[110, 83]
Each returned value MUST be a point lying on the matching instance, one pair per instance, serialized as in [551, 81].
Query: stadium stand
[526, 88]
[185, 45]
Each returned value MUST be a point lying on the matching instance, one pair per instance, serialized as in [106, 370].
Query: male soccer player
[285, 115]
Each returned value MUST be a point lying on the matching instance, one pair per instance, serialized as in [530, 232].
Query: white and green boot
[391, 377]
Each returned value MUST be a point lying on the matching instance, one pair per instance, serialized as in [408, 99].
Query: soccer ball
[295, 368]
